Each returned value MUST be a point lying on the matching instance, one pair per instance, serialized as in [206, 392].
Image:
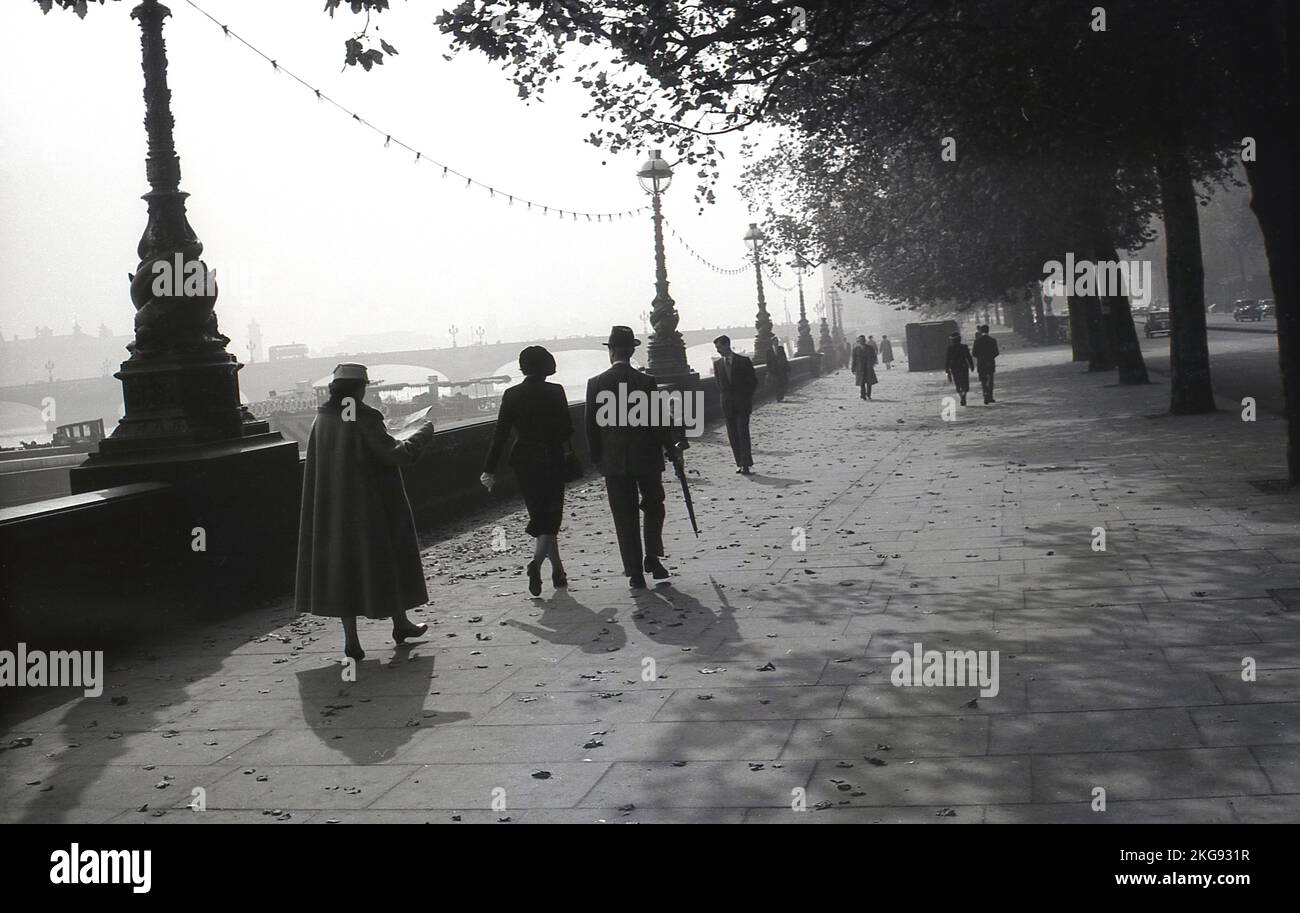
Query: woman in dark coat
[863, 365]
[959, 364]
[538, 414]
[357, 551]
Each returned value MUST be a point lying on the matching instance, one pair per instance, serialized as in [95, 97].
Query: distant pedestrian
[631, 458]
[985, 350]
[538, 414]
[886, 352]
[863, 364]
[778, 368]
[357, 549]
[736, 385]
[959, 364]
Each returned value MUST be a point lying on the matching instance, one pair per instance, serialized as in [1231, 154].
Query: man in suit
[736, 385]
[630, 455]
[985, 350]
[778, 368]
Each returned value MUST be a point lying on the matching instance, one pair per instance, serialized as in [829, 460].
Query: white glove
[487, 480]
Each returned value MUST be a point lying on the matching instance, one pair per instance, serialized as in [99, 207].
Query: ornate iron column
[179, 385]
[805, 345]
[837, 317]
[763, 323]
[666, 353]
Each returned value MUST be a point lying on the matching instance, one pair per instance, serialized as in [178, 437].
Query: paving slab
[757, 682]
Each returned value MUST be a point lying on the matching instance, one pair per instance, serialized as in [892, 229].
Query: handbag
[573, 469]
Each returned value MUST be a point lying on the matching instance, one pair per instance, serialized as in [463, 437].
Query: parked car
[1246, 309]
[1267, 309]
[1157, 322]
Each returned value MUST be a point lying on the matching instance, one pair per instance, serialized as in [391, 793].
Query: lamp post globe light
[805, 345]
[754, 239]
[666, 351]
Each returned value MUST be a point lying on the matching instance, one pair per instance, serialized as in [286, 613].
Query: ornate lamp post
[182, 423]
[837, 318]
[824, 334]
[805, 345]
[754, 239]
[179, 386]
[667, 350]
[452, 331]
[480, 332]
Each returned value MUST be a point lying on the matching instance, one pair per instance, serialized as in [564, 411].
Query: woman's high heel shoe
[535, 577]
[559, 581]
[354, 653]
[410, 633]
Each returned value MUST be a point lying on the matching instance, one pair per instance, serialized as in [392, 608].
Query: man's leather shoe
[636, 582]
[654, 566]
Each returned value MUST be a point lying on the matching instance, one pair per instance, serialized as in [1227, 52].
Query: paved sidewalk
[1119, 670]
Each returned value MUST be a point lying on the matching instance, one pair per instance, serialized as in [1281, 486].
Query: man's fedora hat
[622, 338]
[350, 371]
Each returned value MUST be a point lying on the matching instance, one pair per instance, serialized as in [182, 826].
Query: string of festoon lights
[723, 270]
[777, 284]
[492, 190]
[471, 182]
[745, 266]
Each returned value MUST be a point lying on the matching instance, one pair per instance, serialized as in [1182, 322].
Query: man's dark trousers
[986, 381]
[631, 458]
[628, 495]
[737, 412]
[736, 387]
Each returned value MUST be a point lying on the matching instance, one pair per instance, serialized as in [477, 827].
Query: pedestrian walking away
[537, 413]
[886, 352]
[985, 350]
[778, 368]
[631, 458]
[357, 549]
[959, 365]
[737, 382]
[863, 365]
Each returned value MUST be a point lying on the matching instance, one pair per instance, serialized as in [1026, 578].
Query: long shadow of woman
[368, 719]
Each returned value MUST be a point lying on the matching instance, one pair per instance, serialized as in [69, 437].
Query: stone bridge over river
[101, 397]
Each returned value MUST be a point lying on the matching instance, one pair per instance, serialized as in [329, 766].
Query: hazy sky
[316, 229]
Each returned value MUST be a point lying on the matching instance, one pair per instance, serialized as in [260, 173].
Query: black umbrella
[675, 455]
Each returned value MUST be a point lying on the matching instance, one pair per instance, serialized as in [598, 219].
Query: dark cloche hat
[536, 361]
